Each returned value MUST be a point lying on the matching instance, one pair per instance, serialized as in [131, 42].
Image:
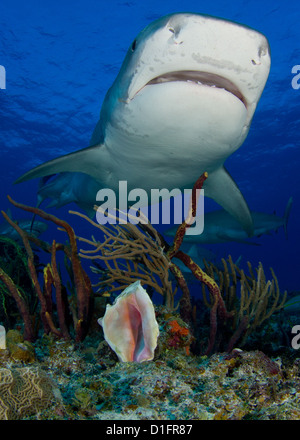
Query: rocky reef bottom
[60, 380]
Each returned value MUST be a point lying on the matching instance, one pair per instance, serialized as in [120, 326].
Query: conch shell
[129, 325]
[2, 338]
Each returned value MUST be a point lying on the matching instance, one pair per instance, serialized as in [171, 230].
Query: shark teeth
[195, 82]
[200, 78]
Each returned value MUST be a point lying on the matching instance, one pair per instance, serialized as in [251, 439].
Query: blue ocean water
[61, 57]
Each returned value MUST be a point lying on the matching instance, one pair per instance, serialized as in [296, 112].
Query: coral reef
[133, 252]
[14, 271]
[250, 299]
[88, 382]
[53, 376]
[24, 392]
[128, 253]
[18, 348]
[147, 255]
[176, 336]
[84, 294]
[174, 386]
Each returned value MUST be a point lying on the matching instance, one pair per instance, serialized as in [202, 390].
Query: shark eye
[133, 46]
[172, 30]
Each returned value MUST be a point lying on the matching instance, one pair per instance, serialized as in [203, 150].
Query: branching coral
[51, 278]
[218, 306]
[21, 303]
[129, 253]
[132, 252]
[14, 269]
[251, 299]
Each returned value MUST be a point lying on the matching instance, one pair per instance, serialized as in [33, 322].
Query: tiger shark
[182, 103]
[65, 188]
[221, 227]
[35, 229]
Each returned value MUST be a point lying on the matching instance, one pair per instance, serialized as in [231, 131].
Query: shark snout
[176, 35]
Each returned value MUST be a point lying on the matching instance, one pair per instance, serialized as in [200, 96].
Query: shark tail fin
[286, 215]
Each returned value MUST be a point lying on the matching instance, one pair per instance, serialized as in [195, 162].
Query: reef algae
[18, 348]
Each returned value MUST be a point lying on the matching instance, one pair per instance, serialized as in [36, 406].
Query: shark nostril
[263, 51]
[175, 31]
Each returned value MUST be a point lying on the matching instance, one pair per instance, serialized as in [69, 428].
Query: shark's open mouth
[202, 78]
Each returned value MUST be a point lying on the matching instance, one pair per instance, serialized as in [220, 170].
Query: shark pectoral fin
[221, 187]
[80, 161]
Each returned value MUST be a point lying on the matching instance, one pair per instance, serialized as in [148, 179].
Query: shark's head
[186, 58]
[181, 104]
[33, 228]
